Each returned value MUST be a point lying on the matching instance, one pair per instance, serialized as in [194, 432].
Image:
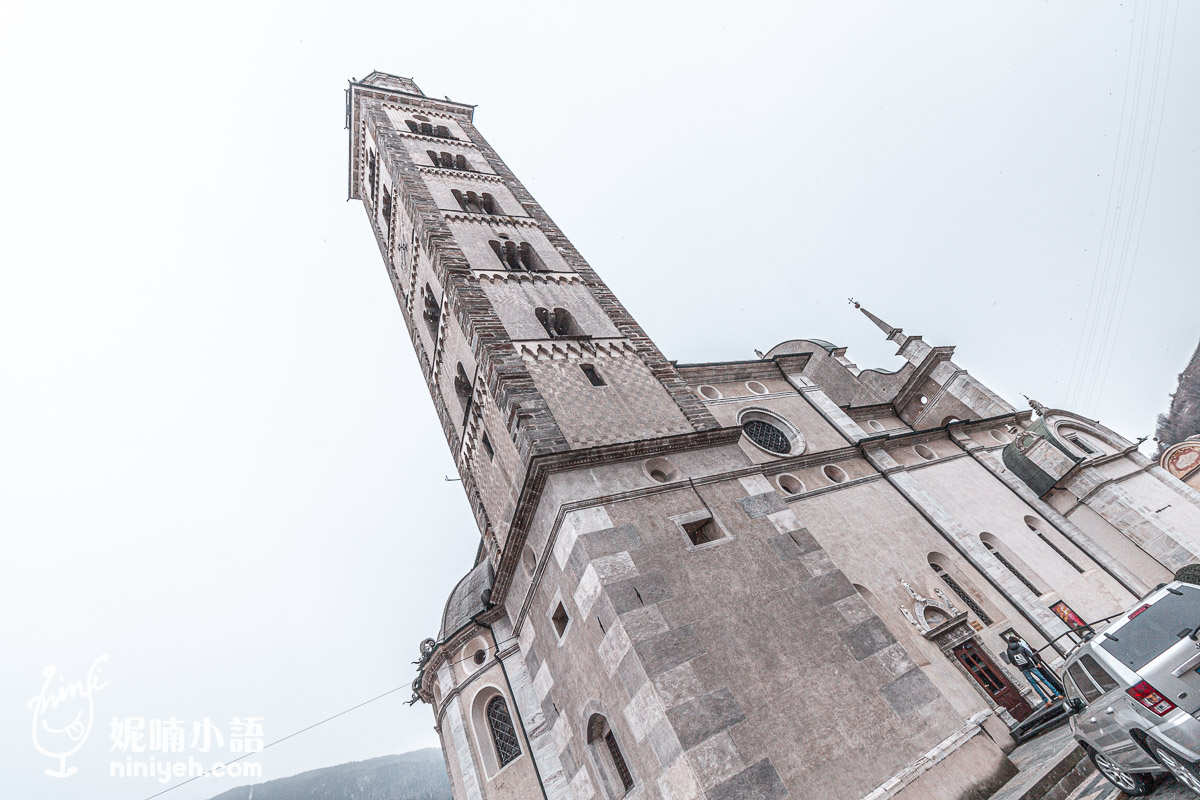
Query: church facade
[785, 577]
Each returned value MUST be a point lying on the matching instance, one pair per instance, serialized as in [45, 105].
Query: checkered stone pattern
[632, 406]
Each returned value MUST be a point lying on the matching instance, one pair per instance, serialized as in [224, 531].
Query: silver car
[1134, 692]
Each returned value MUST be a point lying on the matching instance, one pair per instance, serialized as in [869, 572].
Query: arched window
[516, 257]
[558, 323]
[433, 309]
[614, 770]
[460, 163]
[473, 203]
[462, 388]
[504, 734]
[960, 592]
[1008, 564]
[1035, 525]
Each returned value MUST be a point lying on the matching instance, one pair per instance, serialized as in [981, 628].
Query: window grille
[618, 760]
[1061, 554]
[962, 595]
[1009, 566]
[508, 747]
[767, 436]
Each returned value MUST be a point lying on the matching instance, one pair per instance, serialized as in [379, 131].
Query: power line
[1079, 367]
[277, 741]
[310, 727]
[1149, 181]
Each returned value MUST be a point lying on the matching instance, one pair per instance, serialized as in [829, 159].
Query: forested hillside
[419, 775]
[1183, 418]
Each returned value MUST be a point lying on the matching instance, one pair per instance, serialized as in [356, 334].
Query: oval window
[925, 453]
[835, 473]
[791, 484]
[875, 425]
[709, 393]
[756, 387]
[660, 470]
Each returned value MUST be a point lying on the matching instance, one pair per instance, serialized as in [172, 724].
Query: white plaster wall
[983, 504]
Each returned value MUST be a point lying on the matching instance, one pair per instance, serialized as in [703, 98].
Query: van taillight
[1140, 610]
[1148, 696]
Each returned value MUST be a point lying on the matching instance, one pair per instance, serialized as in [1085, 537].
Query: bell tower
[525, 351]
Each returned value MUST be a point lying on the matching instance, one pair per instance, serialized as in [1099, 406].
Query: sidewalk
[1050, 767]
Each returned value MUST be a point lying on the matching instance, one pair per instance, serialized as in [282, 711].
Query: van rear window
[1145, 637]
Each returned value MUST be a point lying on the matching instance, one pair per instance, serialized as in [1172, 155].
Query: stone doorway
[980, 666]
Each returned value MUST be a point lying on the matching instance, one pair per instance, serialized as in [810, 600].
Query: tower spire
[883, 326]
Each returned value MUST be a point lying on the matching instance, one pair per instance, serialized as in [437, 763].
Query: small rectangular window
[703, 530]
[593, 376]
[560, 619]
[1082, 445]
[487, 447]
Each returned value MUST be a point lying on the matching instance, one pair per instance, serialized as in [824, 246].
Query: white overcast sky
[219, 464]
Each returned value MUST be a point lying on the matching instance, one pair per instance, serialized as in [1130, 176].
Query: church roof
[470, 596]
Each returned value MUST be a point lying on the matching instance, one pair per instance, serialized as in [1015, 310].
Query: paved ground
[1096, 788]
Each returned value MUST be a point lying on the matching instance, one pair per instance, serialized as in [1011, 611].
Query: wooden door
[985, 672]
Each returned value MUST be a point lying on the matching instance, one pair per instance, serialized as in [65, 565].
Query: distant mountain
[419, 775]
[1183, 418]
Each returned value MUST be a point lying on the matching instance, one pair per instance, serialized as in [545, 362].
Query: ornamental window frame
[795, 440]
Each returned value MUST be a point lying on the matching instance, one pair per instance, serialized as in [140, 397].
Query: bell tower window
[517, 257]
[429, 129]
[473, 203]
[372, 177]
[558, 323]
[433, 309]
[463, 389]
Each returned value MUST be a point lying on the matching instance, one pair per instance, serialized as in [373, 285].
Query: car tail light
[1148, 696]
[1138, 611]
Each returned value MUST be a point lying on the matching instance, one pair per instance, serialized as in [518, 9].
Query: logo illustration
[63, 714]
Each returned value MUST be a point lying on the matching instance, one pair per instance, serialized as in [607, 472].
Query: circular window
[756, 387]
[660, 470]
[709, 393]
[835, 473]
[925, 453]
[473, 655]
[790, 484]
[875, 425]
[767, 436]
[771, 433]
[1002, 438]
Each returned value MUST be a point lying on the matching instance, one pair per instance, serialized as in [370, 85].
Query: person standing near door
[1021, 657]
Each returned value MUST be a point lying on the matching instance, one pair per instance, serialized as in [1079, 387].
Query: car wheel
[1134, 784]
[1184, 771]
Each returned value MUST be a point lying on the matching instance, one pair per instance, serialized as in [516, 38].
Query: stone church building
[783, 577]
